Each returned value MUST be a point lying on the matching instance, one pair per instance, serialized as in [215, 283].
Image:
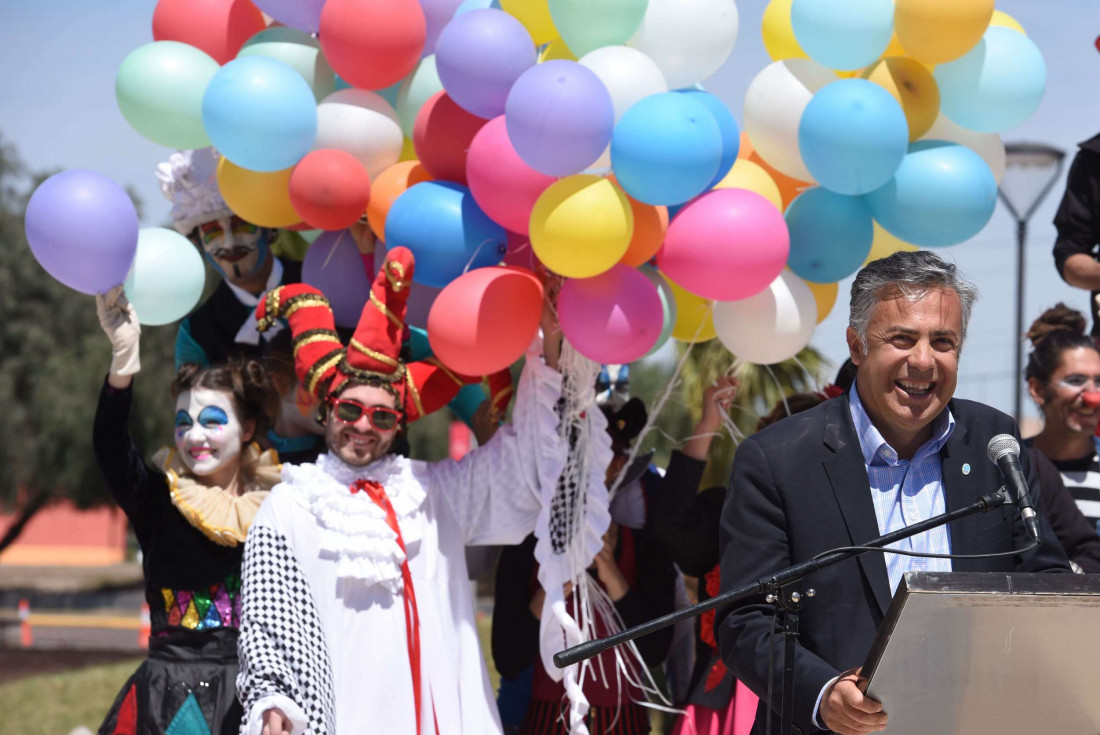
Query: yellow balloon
[1004, 20]
[885, 245]
[535, 17]
[825, 295]
[779, 40]
[581, 226]
[935, 31]
[694, 321]
[913, 86]
[408, 153]
[259, 197]
[556, 49]
[748, 175]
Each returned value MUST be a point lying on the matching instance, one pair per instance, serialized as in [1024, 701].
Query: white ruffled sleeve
[494, 491]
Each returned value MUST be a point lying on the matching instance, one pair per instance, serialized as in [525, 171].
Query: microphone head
[1001, 445]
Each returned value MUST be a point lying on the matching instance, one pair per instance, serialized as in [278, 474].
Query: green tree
[53, 359]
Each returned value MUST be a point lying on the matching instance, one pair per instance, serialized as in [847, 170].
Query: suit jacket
[800, 488]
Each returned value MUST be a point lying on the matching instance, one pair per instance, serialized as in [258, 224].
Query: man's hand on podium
[845, 709]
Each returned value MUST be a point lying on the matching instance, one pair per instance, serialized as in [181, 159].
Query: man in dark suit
[896, 449]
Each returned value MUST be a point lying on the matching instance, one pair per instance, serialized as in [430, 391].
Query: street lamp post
[1030, 171]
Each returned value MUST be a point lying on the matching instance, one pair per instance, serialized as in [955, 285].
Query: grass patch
[54, 704]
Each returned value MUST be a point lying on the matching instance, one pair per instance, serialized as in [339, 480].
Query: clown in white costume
[357, 615]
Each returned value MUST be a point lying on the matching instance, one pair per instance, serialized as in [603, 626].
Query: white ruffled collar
[354, 529]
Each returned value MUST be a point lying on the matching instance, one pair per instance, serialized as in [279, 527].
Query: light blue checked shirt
[906, 491]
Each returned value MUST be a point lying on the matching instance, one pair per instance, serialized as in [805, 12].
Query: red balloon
[372, 44]
[329, 189]
[503, 185]
[218, 27]
[442, 136]
[484, 320]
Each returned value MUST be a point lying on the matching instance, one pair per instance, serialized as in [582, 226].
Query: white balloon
[629, 76]
[771, 326]
[688, 39]
[774, 103]
[987, 145]
[363, 124]
[414, 91]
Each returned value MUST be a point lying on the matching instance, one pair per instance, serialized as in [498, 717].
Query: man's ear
[855, 346]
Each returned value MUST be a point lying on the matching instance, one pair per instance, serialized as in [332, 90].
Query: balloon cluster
[574, 135]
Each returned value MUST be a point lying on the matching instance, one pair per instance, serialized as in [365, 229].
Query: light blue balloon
[666, 148]
[831, 235]
[167, 277]
[468, 5]
[853, 136]
[260, 114]
[843, 35]
[942, 194]
[419, 347]
[446, 231]
[996, 85]
[727, 126]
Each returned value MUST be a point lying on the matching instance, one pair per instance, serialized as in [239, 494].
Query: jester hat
[325, 366]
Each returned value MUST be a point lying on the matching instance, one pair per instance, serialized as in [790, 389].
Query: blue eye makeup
[213, 416]
[183, 420]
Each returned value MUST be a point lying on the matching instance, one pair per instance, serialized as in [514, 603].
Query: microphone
[1004, 451]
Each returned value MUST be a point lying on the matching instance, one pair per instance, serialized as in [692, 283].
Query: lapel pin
[966, 468]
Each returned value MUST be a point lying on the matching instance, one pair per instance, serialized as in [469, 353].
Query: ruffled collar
[222, 517]
[354, 529]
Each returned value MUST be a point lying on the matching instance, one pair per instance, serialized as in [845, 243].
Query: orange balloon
[389, 185]
[650, 226]
[789, 187]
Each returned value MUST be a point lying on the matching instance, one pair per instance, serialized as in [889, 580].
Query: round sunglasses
[381, 418]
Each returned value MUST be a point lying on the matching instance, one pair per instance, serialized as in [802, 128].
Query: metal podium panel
[975, 653]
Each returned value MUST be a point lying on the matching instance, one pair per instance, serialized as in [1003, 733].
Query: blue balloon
[666, 149]
[994, 86]
[831, 235]
[446, 231]
[727, 126]
[260, 114]
[853, 136]
[843, 35]
[942, 194]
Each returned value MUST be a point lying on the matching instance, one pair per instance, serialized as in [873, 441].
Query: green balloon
[298, 50]
[414, 91]
[159, 90]
[586, 25]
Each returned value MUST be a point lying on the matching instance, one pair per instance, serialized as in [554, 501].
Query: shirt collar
[274, 279]
[874, 447]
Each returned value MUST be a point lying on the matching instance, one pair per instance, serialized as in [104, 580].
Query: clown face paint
[209, 434]
[236, 248]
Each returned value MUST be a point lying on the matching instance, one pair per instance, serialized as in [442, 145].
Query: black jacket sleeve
[1078, 216]
[1077, 536]
[120, 462]
[684, 519]
[515, 631]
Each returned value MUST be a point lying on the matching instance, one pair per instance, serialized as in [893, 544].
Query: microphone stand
[784, 589]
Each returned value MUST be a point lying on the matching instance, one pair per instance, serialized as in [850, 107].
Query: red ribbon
[377, 493]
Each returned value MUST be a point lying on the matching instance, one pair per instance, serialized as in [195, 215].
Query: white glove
[119, 321]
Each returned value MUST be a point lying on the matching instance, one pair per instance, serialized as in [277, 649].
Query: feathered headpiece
[325, 366]
[189, 180]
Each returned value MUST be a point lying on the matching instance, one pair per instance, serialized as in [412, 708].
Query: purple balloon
[305, 15]
[83, 230]
[437, 14]
[480, 55]
[559, 117]
[334, 266]
[421, 298]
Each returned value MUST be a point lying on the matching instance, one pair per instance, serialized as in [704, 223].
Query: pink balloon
[503, 185]
[484, 320]
[726, 245]
[520, 253]
[612, 318]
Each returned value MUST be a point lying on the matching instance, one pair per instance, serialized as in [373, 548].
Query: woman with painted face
[190, 512]
[1063, 378]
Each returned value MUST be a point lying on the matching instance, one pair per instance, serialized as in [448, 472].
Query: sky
[60, 57]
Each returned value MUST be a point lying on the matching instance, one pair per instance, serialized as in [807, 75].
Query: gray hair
[914, 274]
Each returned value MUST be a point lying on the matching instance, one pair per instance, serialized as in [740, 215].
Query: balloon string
[782, 393]
[332, 251]
[473, 257]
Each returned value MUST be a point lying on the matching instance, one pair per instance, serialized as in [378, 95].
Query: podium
[994, 653]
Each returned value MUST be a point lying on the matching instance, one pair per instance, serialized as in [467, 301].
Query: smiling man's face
[359, 443]
[911, 366]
